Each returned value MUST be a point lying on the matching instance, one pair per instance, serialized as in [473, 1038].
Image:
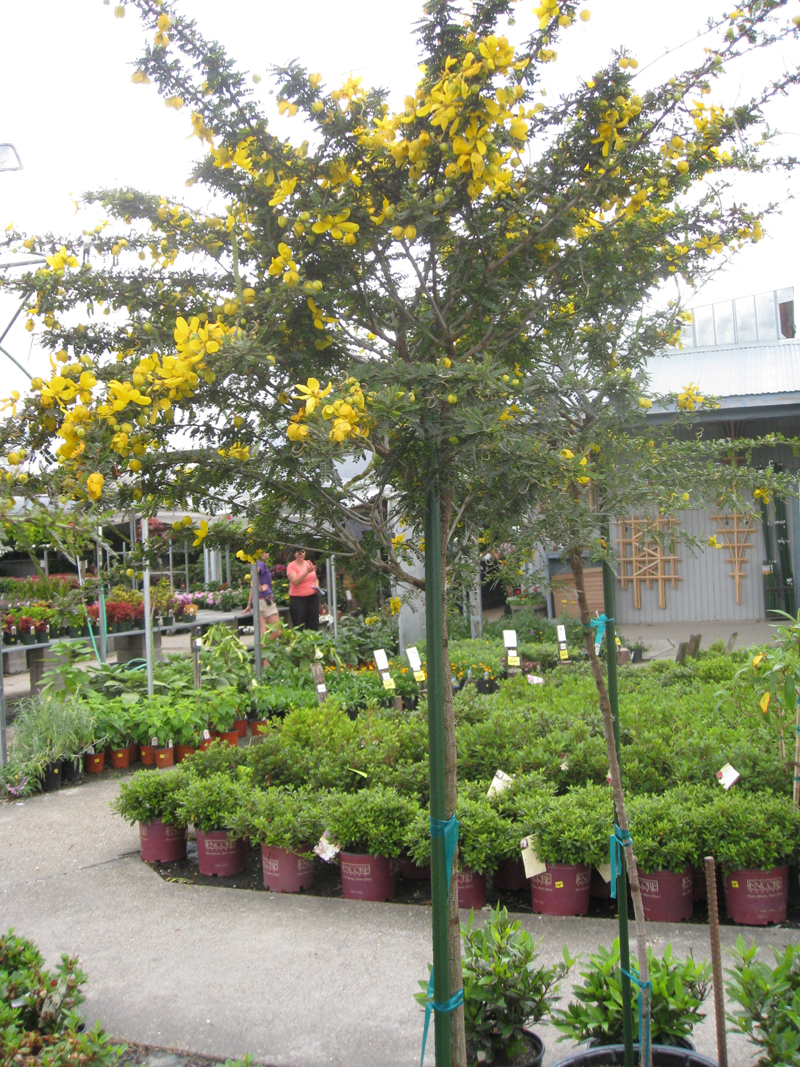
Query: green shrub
[39, 1023]
[153, 794]
[218, 758]
[595, 1012]
[284, 818]
[756, 831]
[211, 803]
[371, 822]
[573, 828]
[769, 1002]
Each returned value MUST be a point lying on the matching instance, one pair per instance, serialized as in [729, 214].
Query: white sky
[79, 123]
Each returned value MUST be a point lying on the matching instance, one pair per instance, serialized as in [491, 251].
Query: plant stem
[576, 563]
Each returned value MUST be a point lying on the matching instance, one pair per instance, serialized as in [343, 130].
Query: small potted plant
[766, 1001]
[506, 991]
[369, 826]
[212, 804]
[224, 711]
[154, 801]
[638, 649]
[286, 823]
[594, 1013]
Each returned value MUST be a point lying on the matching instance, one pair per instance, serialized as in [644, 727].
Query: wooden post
[716, 961]
[680, 655]
[731, 643]
[318, 674]
[694, 645]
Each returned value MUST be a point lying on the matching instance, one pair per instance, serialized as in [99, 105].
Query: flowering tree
[447, 297]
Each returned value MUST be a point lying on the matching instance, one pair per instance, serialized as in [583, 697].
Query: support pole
[435, 667]
[476, 605]
[228, 565]
[186, 562]
[332, 597]
[716, 961]
[3, 739]
[148, 621]
[256, 593]
[622, 878]
[171, 575]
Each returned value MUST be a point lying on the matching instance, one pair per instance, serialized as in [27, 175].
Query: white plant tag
[326, 849]
[728, 776]
[169, 744]
[90, 750]
[321, 688]
[510, 638]
[154, 742]
[565, 765]
[561, 634]
[381, 660]
[608, 776]
[500, 782]
[206, 735]
[534, 679]
[348, 595]
[604, 870]
[414, 662]
[533, 865]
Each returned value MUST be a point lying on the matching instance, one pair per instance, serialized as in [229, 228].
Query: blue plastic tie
[599, 624]
[618, 840]
[448, 829]
[644, 1046]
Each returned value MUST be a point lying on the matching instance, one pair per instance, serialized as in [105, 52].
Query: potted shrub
[225, 708]
[286, 823]
[665, 831]
[754, 837]
[154, 801]
[510, 871]
[482, 840]
[766, 999]
[369, 826]
[595, 1010]
[570, 836]
[218, 758]
[115, 724]
[505, 991]
[211, 804]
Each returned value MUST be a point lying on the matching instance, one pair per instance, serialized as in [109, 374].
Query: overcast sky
[79, 123]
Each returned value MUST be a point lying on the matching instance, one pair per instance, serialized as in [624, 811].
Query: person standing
[268, 612]
[303, 591]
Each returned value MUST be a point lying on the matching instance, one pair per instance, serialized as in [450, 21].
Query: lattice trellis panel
[736, 531]
[648, 559]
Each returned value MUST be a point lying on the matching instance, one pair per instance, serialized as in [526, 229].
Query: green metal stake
[435, 668]
[622, 877]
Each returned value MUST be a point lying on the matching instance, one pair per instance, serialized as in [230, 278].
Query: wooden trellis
[645, 558]
[737, 542]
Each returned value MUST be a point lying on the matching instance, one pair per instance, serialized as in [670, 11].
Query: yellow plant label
[735, 885]
[563, 654]
[513, 661]
[559, 885]
[419, 676]
[388, 683]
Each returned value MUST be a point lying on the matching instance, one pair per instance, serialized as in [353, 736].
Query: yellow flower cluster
[690, 398]
[615, 118]
[347, 413]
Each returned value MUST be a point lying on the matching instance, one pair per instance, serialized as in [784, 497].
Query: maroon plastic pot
[471, 890]
[258, 727]
[598, 886]
[755, 898]
[165, 757]
[120, 758]
[699, 887]
[563, 889]
[409, 869]
[667, 896]
[231, 736]
[93, 763]
[510, 875]
[286, 872]
[217, 853]
[160, 843]
[147, 754]
[366, 877]
[241, 727]
[182, 751]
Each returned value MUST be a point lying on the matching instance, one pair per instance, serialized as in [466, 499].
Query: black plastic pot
[73, 770]
[536, 1052]
[614, 1055]
[51, 776]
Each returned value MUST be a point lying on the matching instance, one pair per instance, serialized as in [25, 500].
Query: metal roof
[744, 370]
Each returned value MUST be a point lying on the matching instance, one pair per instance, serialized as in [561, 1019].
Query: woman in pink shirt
[303, 591]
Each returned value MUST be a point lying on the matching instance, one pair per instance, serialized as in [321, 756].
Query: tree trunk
[458, 1045]
[576, 563]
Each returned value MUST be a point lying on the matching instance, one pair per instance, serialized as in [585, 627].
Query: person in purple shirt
[268, 612]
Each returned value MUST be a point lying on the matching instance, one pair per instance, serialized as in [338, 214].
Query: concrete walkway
[295, 981]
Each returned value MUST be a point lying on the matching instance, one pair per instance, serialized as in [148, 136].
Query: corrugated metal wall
[706, 591]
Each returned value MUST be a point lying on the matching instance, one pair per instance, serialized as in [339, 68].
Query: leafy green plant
[211, 803]
[371, 821]
[152, 795]
[572, 828]
[769, 1002]
[225, 708]
[39, 1023]
[668, 828]
[284, 818]
[595, 1011]
[756, 831]
[218, 758]
[505, 988]
[483, 836]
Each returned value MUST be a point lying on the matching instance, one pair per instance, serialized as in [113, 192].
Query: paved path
[295, 981]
